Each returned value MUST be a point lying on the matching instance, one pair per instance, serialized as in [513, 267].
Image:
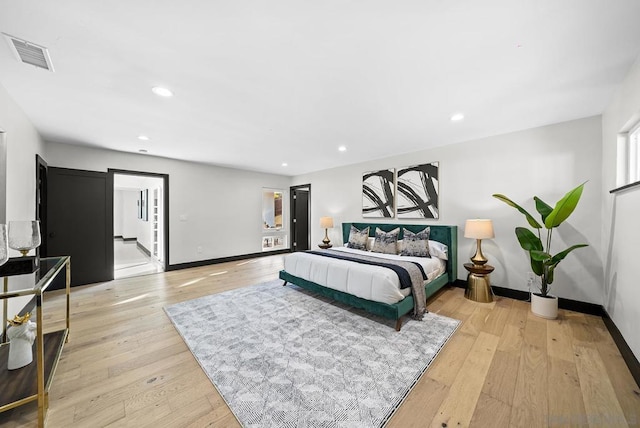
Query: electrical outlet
[199, 250]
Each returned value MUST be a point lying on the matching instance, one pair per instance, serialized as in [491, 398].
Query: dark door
[80, 222]
[300, 218]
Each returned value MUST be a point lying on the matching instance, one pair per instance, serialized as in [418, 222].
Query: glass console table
[33, 381]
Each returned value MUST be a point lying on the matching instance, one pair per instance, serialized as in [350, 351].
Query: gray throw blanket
[415, 273]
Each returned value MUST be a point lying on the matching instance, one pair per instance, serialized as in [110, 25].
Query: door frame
[292, 213]
[41, 201]
[165, 208]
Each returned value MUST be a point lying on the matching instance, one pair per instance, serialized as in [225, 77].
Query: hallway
[129, 260]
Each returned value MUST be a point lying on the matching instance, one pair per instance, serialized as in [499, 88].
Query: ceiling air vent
[30, 53]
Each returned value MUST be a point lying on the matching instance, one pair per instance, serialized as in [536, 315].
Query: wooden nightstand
[478, 283]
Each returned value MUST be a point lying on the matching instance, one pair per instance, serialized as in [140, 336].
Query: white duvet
[365, 281]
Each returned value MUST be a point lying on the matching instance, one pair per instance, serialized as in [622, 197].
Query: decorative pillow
[416, 244]
[386, 242]
[358, 238]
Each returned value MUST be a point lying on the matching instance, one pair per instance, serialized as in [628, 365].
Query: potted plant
[543, 263]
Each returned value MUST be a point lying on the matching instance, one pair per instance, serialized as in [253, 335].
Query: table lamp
[478, 229]
[326, 223]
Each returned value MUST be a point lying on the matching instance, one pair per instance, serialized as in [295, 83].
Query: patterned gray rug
[284, 357]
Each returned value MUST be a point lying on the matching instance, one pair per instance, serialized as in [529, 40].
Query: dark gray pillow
[386, 242]
[358, 238]
[416, 244]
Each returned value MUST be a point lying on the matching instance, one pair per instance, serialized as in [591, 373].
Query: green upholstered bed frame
[446, 234]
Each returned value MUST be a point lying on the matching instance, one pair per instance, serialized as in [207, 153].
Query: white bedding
[365, 281]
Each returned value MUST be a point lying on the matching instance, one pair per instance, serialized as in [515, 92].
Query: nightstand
[478, 283]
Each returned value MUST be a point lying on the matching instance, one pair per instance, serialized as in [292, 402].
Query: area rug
[285, 357]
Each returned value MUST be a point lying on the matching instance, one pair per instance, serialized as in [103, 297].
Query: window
[628, 165]
[634, 155]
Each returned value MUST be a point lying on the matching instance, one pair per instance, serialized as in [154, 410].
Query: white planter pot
[544, 307]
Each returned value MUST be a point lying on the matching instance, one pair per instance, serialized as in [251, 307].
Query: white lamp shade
[478, 229]
[326, 222]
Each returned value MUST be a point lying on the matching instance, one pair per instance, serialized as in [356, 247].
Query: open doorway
[300, 205]
[140, 221]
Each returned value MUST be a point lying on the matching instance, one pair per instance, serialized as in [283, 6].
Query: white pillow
[439, 250]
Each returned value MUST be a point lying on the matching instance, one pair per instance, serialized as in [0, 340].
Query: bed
[385, 306]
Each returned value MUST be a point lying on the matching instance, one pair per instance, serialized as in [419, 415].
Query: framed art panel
[378, 189]
[418, 191]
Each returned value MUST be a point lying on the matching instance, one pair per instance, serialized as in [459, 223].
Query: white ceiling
[259, 83]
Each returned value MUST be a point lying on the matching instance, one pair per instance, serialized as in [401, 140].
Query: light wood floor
[125, 364]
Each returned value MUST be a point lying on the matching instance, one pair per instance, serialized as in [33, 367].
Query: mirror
[272, 209]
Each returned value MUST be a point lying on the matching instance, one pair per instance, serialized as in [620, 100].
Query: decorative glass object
[4, 250]
[24, 235]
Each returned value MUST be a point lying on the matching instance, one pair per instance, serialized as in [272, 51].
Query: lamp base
[478, 258]
[326, 241]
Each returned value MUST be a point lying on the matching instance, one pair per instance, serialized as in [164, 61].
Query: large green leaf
[532, 221]
[528, 241]
[564, 207]
[550, 274]
[542, 207]
[561, 255]
[540, 256]
[536, 266]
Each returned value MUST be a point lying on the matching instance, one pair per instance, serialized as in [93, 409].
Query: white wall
[143, 228]
[117, 212]
[125, 213]
[215, 208]
[23, 143]
[546, 161]
[130, 213]
[620, 231]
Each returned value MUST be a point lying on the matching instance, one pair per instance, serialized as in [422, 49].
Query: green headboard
[448, 235]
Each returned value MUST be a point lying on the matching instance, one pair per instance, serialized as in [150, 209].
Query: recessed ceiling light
[163, 92]
[285, 164]
[456, 117]
[143, 150]
[342, 148]
[143, 138]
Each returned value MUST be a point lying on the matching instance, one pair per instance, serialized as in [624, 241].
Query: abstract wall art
[418, 191]
[378, 189]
